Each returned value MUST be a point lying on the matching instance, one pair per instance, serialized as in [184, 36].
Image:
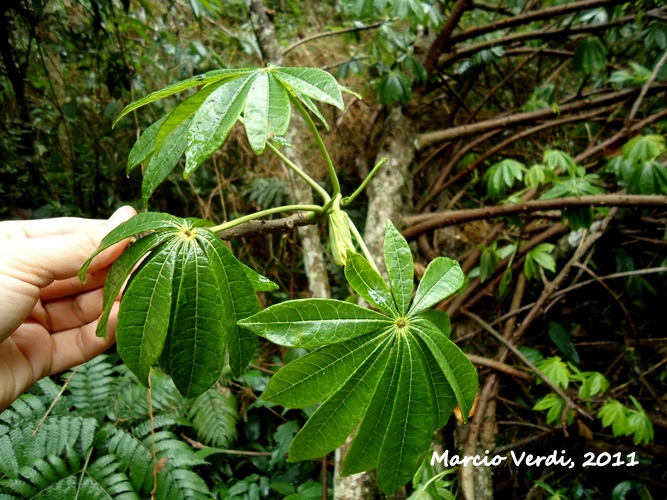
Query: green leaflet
[439, 319]
[236, 290]
[314, 322]
[195, 81]
[147, 221]
[442, 278]
[312, 82]
[442, 395]
[365, 448]
[315, 376]
[145, 146]
[267, 112]
[199, 325]
[121, 269]
[410, 429]
[164, 160]
[337, 417]
[259, 283]
[214, 120]
[368, 283]
[399, 264]
[143, 319]
[456, 366]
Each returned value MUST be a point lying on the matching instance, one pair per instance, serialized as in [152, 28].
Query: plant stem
[349, 199]
[320, 144]
[298, 171]
[263, 213]
[362, 245]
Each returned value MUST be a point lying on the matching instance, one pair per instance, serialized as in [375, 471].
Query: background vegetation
[494, 116]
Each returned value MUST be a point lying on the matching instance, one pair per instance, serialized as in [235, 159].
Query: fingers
[78, 345]
[55, 227]
[39, 261]
[74, 311]
[72, 286]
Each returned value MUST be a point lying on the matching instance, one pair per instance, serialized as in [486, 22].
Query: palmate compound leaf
[182, 303]
[201, 124]
[396, 382]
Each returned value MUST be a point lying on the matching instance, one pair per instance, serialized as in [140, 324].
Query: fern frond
[93, 386]
[214, 415]
[175, 458]
[52, 477]
[132, 403]
[28, 408]
[103, 479]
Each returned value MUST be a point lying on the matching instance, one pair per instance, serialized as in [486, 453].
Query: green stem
[349, 199]
[320, 143]
[263, 213]
[298, 171]
[362, 245]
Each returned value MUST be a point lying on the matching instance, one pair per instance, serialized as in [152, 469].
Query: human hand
[48, 317]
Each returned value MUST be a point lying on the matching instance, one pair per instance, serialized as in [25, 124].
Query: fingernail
[121, 215]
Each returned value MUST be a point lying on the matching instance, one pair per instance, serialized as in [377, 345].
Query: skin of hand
[48, 317]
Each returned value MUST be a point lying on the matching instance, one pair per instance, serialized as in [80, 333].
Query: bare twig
[568, 401]
[442, 219]
[255, 227]
[333, 33]
[647, 85]
[499, 367]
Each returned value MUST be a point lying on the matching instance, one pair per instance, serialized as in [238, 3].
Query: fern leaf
[93, 386]
[214, 415]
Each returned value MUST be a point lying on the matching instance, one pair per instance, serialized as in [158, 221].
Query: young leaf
[195, 81]
[456, 366]
[144, 315]
[643, 148]
[442, 278]
[315, 376]
[147, 221]
[314, 322]
[267, 112]
[164, 160]
[313, 82]
[399, 264]
[410, 429]
[121, 269]
[614, 413]
[368, 283]
[556, 370]
[145, 146]
[590, 56]
[214, 120]
[337, 417]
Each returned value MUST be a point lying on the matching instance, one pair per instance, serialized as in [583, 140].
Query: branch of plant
[581, 104]
[647, 85]
[364, 249]
[442, 219]
[568, 401]
[320, 144]
[314, 209]
[499, 367]
[317, 36]
[529, 17]
[349, 199]
[299, 171]
[558, 33]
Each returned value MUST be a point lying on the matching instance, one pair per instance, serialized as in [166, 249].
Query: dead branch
[429, 138]
[499, 367]
[443, 41]
[316, 36]
[442, 219]
[548, 13]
